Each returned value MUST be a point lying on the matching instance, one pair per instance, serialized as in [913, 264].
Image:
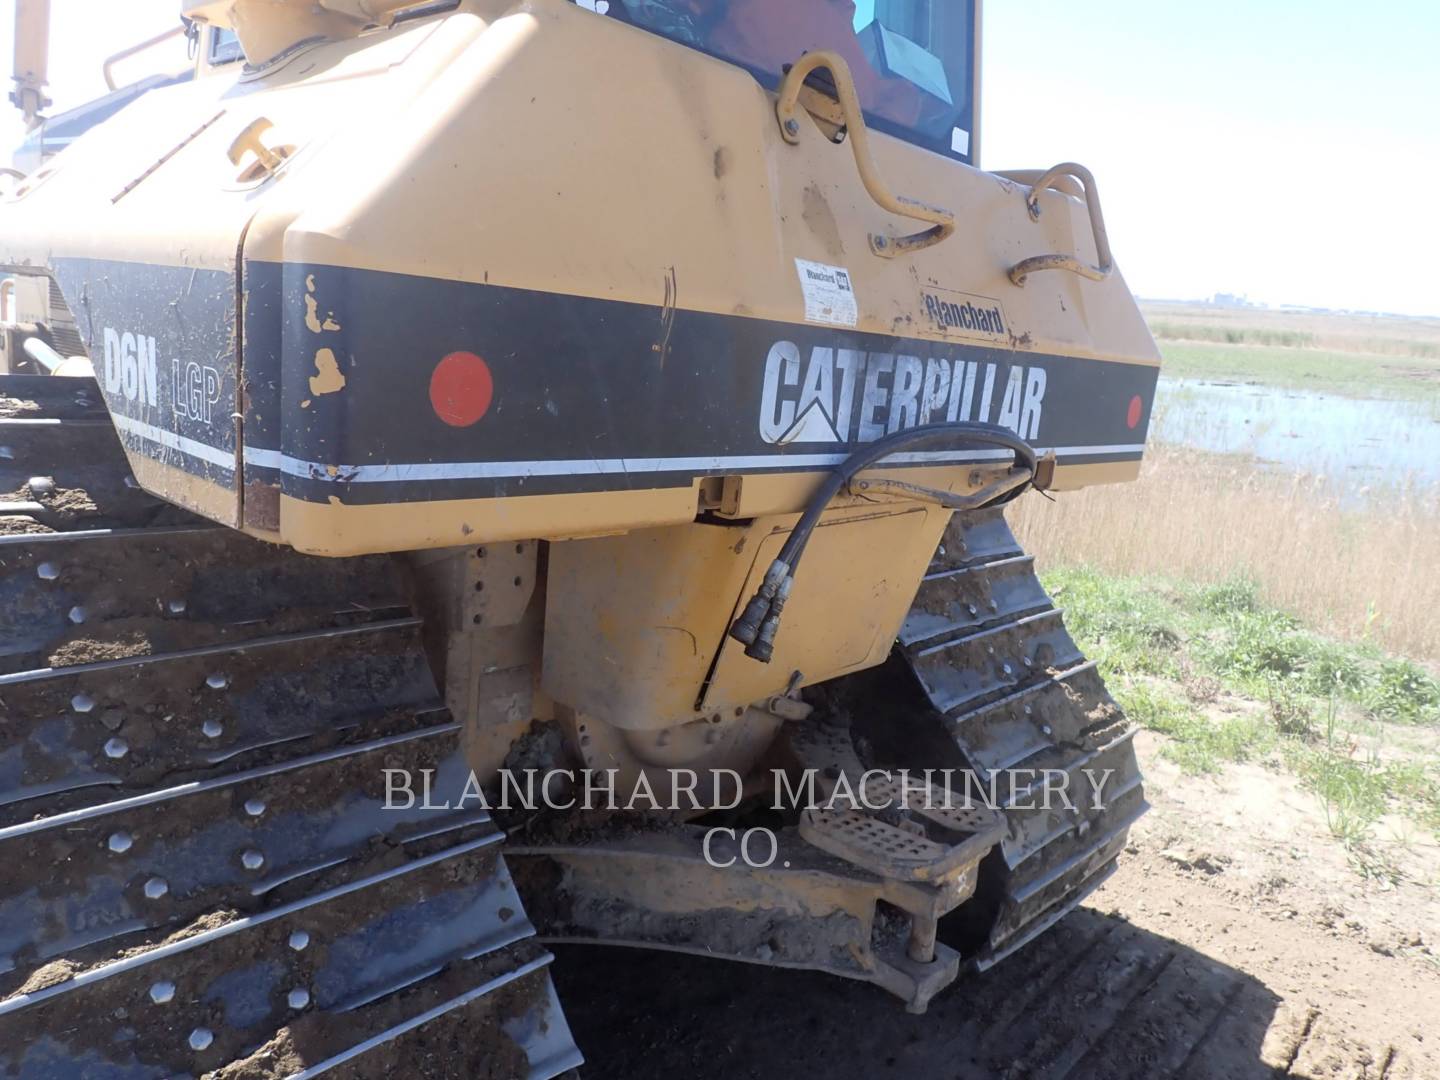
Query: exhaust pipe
[42, 354]
[267, 28]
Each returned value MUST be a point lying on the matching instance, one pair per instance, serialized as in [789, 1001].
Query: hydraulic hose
[760, 621]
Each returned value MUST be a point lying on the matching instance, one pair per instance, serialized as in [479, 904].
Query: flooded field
[1368, 442]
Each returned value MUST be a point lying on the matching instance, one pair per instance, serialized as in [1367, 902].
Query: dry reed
[1362, 572]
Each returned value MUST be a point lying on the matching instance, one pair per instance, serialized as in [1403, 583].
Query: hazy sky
[1288, 149]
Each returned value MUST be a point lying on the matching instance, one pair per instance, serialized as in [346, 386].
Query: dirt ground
[1238, 940]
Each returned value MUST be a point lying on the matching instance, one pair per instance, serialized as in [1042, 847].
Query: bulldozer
[481, 413]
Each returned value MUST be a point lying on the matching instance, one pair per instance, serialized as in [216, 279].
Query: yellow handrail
[1021, 270]
[786, 109]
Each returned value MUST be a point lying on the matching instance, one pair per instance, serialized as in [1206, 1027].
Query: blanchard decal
[829, 294]
[963, 315]
[842, 395]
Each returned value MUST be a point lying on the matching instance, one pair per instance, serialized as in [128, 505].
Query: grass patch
[1164, 645]
[1150, 626]
[1237, 333]
[1325, 370]
[1230, 334]
[1130, 627]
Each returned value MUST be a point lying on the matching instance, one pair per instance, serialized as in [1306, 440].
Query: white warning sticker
[829, 296]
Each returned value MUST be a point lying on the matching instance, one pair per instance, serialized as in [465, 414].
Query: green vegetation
[1297, 664]
[1234, 335]
[1354, 355]
[1227, 678]
[1347, 373]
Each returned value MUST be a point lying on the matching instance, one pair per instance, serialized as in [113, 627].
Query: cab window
[224, 47]
[912, 59]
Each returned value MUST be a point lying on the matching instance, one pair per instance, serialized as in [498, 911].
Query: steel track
[201, 874]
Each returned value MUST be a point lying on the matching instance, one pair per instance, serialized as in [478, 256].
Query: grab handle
[786, 109]
[1023, 269]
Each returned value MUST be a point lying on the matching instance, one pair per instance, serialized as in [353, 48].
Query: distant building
[1232, 300]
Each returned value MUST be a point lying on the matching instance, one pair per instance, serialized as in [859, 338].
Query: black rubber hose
[872, 453]
[760, 621]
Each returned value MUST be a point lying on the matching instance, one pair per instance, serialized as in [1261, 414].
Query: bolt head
[116, 748]
[298, 998]
[155, 888]
[255, 807]
[177, 607]
[47, 571]
[120, 842]
[82, 703]
[252, 859]
[299, 940]
[77, 615]
[213, 729]
[792, 126]
[201, 1038]
[218, 681]
[162, 993]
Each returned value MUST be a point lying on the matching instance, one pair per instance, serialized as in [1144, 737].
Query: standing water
[1375, 442]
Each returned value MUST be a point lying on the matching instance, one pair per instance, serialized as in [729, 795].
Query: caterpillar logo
[848, 395]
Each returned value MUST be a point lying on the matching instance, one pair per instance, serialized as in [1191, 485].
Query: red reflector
[1133, 416]
[461, 389]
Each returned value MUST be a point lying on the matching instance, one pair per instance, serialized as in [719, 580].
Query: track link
[991, 655]
[202, 874]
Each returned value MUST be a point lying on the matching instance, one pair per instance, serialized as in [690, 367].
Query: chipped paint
[312, 310]
[328, 378]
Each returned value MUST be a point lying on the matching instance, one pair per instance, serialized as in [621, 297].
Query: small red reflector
[461, 389]
[1136, 408]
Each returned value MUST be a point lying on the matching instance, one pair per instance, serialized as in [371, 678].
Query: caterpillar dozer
[480, 390]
